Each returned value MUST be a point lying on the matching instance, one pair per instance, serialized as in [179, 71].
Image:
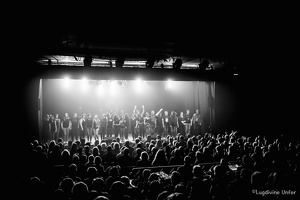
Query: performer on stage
[116, 125]
[53, 127]
[140, 125]
[137, 112]
[181, 126]
[122, 126]
[188, 122]
[58, 126]
[159, 122]
[126, 123]
[152, 122]
[147, 122]
[196, 120]
[75, 127]
[96, 127]
[174, 123]
[166, 124]
[103, 126]
[133, 125]
[109, 124]
[89, 127]
[82, 124]
[66, 126]
[46, 128]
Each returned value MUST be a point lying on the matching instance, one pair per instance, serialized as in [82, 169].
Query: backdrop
[97, 97]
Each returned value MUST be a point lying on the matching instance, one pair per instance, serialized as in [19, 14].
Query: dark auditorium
[155, 112]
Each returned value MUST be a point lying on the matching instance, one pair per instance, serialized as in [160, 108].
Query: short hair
[66, 184]
[92, 171]
[97, 160]
[118, 188]
[109, 148]
[91, 158]
[126, 151]
[197, 171]
[175, 177]
[125, 180]
[98, 183]
[144, 156]
[80, 189]
[72, 168]
[113, 171]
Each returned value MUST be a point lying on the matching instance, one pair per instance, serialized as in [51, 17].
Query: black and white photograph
[154, 108]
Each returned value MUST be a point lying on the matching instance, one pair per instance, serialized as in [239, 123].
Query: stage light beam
[84, 83]
[138, 84]
[100, 90]
[113, 87]
[169, 84]
[66, 82]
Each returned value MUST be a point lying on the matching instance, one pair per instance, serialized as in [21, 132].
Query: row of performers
[119, 125]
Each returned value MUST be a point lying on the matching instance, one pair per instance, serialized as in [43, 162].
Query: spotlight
[138, 84]
[87, 62]
[169, 84]
[120, 62]
[66, 82]
[138, 81]
[203, 65]
[177, 64]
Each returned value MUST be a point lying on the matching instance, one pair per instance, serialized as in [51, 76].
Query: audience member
[105, 170]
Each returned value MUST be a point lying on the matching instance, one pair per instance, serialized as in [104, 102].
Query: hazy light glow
[84, 83]
[113, 89]
[138, 84]
[100, 89]
[66, 82]
[169, 84]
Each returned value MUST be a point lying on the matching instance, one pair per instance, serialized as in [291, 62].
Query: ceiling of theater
[70, 47]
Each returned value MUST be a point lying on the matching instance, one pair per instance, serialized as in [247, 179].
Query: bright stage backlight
[138, 84]
[100, 89]
[169, 84]
[84, 83]
[113, 87]
[66, 82]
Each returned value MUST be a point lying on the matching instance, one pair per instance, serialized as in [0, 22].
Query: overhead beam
[112, 73]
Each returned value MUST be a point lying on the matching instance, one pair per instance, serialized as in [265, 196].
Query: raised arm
[80, 124]
[143, 107]
[159, 112]
[61, 124]
[55, 125]
[70, 124]
[134, 109]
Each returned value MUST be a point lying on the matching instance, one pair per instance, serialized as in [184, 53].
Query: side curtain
[204, 101]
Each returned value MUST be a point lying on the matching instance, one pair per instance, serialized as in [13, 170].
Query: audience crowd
[223, 166]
